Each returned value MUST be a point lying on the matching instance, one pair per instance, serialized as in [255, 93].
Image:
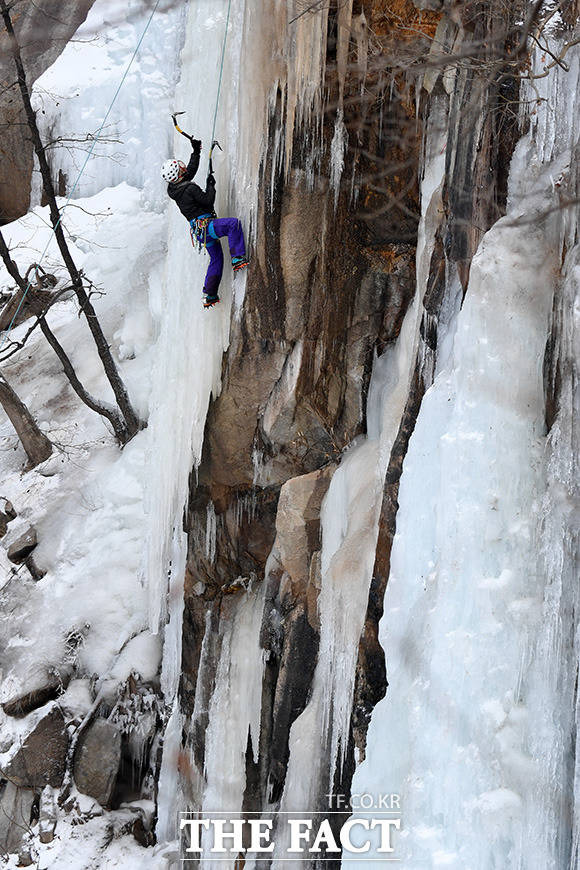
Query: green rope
[83, 167]
[221, 72]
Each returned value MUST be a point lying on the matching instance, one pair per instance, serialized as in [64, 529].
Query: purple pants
[217, 229]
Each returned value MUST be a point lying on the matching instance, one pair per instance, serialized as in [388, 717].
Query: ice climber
[196, 205]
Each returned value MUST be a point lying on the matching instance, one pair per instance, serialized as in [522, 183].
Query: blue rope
[88, 157]
[221, 73]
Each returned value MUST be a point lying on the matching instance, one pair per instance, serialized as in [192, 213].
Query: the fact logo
[298, 835]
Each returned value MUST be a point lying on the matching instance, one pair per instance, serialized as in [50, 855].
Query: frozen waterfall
[477, 629]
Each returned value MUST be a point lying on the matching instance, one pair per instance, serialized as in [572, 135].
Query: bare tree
[102, 408]
[36, 444]
[132, 424]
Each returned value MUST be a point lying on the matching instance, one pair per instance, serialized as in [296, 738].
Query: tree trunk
[102, 408]
[36, 444]
[131, 418]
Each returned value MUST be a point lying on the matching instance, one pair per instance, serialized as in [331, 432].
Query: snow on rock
[86, 501]
[87, 617]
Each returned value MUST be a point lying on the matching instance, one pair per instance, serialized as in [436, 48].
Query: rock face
[97, 759]
[303, 388]
[15, 810]
[42, 758]
[6, 517]
[293, 583]
[330, 285]
[43, 30]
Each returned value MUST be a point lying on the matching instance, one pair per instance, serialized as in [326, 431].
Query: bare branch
[133, 424]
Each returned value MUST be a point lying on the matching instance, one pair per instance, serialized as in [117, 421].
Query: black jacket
[191, 199]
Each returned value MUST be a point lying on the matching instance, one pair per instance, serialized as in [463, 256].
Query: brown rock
[301, 218]
[42, 758]
[23, 546]
[230, 425]
[43, 33]
[9, 510]
[97, 759]
[297, 370]
[142, 834]
[298, 529]
[6, 516]
[21, 705]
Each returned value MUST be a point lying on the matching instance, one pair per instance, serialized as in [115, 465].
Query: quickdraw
[198, 230]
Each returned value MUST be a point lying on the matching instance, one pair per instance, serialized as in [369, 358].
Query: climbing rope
[88, 157]
[217, 100]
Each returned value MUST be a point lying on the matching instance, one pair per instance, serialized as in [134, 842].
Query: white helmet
[172, 170]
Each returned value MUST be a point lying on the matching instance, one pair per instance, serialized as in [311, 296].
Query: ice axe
[177, 127]
[214, 144]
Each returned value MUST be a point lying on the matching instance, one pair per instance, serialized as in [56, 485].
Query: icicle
[258, 465]
[337, 154]
[168, 802]
[210, 532]
[360, 32]
[234, 712]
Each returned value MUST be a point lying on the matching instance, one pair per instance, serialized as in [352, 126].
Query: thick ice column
[552, 810]
[234, 713]
[456, 735]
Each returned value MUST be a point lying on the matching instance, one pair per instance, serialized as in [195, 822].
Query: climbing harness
[84, 166]
[199, 230]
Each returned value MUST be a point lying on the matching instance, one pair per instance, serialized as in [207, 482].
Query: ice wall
[265, 55]
[473, 733]
[262, 54]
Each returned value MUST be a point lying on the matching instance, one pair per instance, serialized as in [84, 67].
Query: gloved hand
[211, 179]
[195, 143]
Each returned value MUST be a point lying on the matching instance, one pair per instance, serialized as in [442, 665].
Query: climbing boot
[208, 301]
[239, 263]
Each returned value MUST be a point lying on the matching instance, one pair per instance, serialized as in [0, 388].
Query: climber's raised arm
[193, 164]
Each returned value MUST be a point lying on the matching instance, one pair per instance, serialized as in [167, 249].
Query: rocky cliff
[43, 30]
[333, 276]
[340, 558]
